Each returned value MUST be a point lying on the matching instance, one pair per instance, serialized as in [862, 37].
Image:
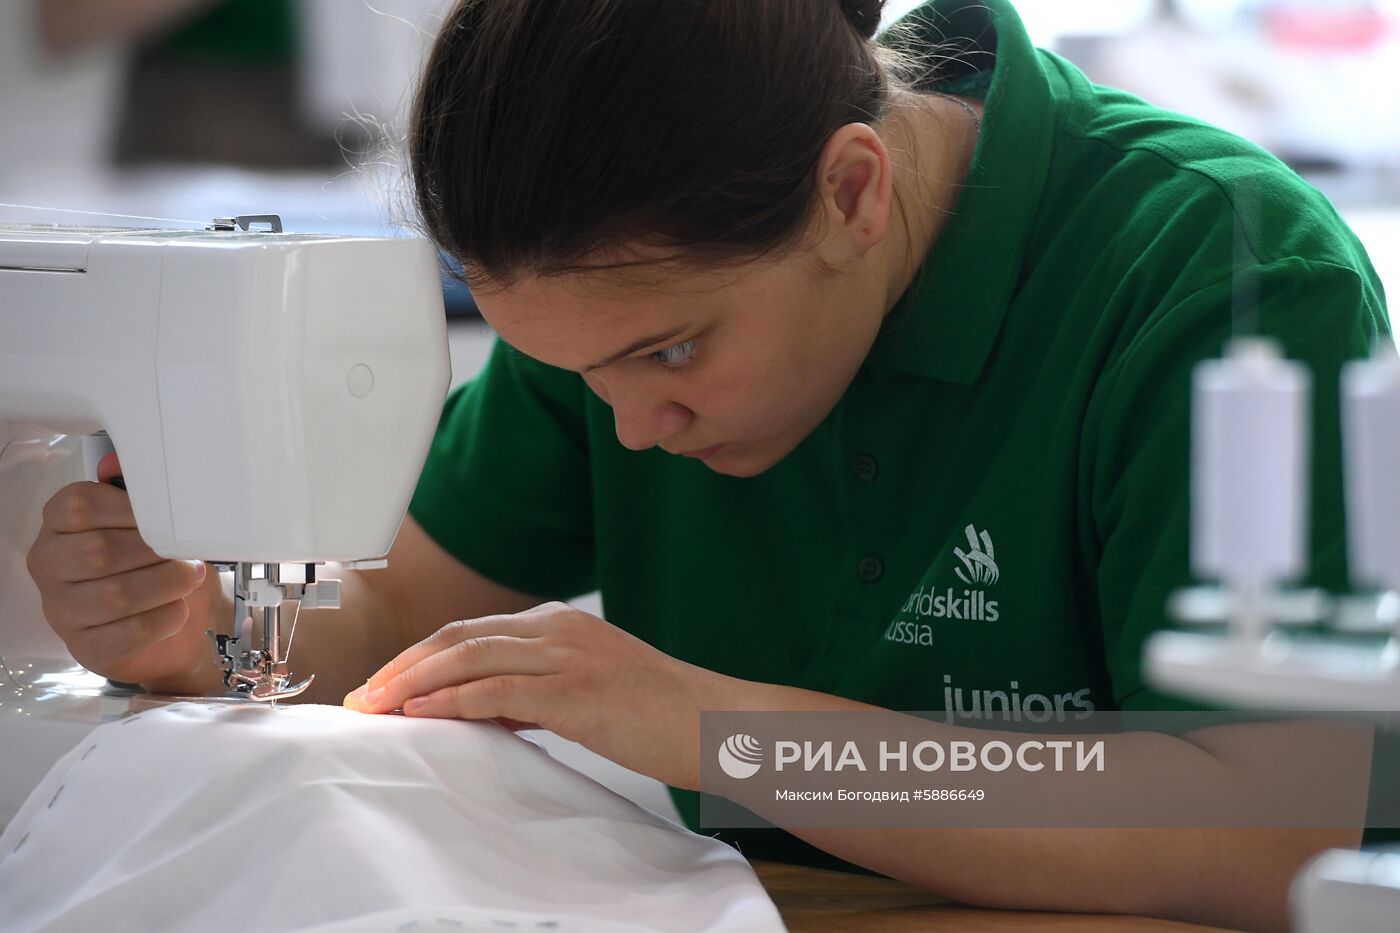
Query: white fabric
[200, 816]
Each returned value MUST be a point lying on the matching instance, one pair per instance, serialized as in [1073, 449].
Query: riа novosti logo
[740, 756]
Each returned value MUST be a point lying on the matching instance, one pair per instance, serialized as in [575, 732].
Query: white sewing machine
[271, 397]
[1249, 483]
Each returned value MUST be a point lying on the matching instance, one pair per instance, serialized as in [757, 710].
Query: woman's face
[737, 365]
[734, 367]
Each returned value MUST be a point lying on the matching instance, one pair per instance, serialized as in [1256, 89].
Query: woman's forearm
[1236, 878]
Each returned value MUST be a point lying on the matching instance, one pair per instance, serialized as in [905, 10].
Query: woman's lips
[703, 454]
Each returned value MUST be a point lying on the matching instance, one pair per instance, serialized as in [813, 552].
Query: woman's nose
[644, 424]
[640, 419]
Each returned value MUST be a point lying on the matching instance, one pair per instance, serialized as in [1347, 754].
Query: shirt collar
[946, 323]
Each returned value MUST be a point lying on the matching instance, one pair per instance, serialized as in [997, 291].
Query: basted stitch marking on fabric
[22, 841]
[55, 797]
[86, 753]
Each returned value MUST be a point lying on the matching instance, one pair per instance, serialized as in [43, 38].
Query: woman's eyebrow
[637, 345]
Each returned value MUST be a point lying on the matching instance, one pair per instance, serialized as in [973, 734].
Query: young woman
[852, 376]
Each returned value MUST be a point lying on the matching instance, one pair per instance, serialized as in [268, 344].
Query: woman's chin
[742, 463]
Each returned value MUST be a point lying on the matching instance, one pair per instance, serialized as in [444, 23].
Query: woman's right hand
[123, 611]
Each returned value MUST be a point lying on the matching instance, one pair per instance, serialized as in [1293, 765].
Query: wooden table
[814, 899]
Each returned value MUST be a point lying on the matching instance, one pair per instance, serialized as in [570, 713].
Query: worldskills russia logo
[740, 756]
[979, 571]
[979, 566]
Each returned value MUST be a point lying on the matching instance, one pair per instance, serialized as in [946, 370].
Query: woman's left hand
[557, 668]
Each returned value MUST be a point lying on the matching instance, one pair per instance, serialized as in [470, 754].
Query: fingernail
[373, 696]
[200, 571]
[415, 705]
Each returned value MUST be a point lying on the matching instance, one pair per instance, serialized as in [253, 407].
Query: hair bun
[863, 15]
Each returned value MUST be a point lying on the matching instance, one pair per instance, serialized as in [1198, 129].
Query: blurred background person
[195, 108]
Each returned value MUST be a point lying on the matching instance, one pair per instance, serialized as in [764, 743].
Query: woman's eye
[677, 355]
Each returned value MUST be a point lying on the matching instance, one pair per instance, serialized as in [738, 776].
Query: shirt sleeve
[506, 487]
[1322, 315]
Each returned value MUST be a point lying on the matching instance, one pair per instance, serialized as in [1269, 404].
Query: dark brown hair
[549, 135]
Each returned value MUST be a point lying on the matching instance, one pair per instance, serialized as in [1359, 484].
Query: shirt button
[866, 467]
[871, 569]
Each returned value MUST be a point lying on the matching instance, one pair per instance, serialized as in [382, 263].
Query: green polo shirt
[993, 515]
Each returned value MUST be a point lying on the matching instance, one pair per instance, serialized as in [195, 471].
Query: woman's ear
[855, 187]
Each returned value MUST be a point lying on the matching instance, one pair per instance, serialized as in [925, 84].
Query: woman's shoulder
[1165, 199]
